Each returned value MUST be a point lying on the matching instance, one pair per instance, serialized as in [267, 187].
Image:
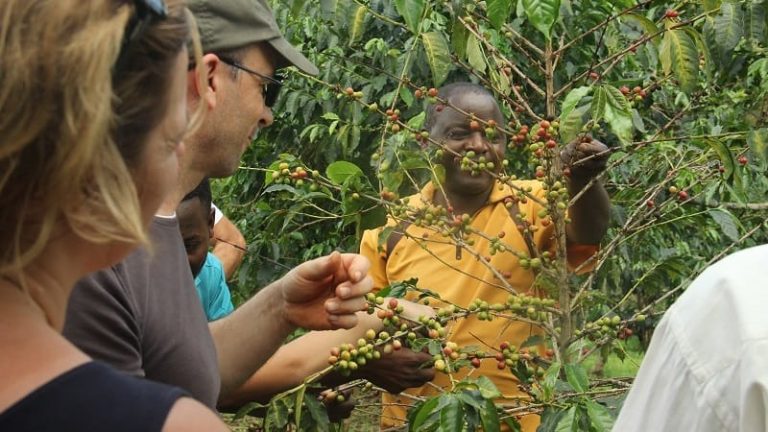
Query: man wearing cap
[143, 315]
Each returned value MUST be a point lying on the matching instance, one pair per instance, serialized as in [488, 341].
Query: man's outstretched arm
[322, 294]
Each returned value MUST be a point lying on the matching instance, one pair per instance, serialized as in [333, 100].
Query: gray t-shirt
[143, 316]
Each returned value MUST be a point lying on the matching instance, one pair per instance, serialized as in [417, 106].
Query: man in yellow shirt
[458, 276]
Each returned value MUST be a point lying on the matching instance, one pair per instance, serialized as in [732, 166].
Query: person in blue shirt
[196, 217]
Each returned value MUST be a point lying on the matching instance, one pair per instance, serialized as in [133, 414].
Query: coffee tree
[677, 90]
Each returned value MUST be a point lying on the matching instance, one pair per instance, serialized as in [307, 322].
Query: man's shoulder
[112, 279]
[735, 275]
[727, 303]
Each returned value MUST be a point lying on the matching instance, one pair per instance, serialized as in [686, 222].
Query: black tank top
[92, 397]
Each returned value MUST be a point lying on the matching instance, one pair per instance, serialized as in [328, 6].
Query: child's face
[196, 224]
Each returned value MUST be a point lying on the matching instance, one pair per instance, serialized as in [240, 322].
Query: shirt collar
[499, 193]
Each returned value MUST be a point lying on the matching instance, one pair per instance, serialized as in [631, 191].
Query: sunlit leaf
[711, 5]
[277, 415]
[648, 26]
[489, 417]
[617, 100]
[438, 56]
[571, 126]
[487, 388]
[550, 379]
[357, 25]
[418, 416]
[727, 223]
[599, 417]
[755, 22]
[542, 14]
[318, 413]
[599, 99]
[577, 377]
[452, 415]
[729, 26]
[678, 55]
[459, 36]
[297, 6]
[758, 146]
[339, 171]
[572, 99]
[618, 113]
[299, 403]
[475, 54]
[568, 423]
[499, 11]
[411, 11]
[725, 156]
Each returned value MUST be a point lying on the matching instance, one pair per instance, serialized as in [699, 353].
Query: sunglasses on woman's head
[146, 12]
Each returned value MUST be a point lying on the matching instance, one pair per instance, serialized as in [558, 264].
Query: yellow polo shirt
[433, 260]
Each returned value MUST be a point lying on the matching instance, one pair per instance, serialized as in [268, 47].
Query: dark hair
[449, 91]
[201, 192]
[144, 70]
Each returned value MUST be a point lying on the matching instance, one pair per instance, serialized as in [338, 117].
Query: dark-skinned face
[452, 129]
[196, 225]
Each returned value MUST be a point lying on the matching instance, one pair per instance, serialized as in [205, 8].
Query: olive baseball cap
[232, 24]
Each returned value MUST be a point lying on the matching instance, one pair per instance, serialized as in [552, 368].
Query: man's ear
[211, 219]
[205, 89]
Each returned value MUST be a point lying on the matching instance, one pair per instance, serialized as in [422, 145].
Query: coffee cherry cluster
[603, 327]
[438, 218]
[450, 353]
[624, 333]
[509, 356]
[296, 177]
[348, 357]
[387, 195]
[396, 334]
[544, 140]
[497, 245]
[475, 165]
[429, 216]
[422, 138]
[389, 316]
[434, 328]
[530, 306]
[393, 116]
[351, 93]
[523, 225]
[330, 397]
[682, 195]
[518, 304]
[430, 93]
[637, 94]
[557, 193]
[520, 137]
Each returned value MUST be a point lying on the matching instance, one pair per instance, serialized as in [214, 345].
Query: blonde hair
[73, 127]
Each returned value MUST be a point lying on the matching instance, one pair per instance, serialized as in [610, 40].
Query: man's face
[240, 111]
[454, 130]
[196, 225]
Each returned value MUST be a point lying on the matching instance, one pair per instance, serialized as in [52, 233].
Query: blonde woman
[93, 99]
